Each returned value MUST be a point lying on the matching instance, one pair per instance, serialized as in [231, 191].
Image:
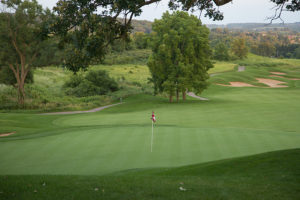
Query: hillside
[258, 26]
[142, 26]
[145, 26]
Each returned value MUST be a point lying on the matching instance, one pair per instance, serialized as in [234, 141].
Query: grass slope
[274, 175]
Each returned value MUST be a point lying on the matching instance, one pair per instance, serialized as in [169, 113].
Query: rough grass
[138, 56]
[138, 74]
[47, 94]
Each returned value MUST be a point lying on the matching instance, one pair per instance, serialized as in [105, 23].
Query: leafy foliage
[93, 83]
[181, 54]
[86, 28]
[141, 40]
[297, 53]
[221, 52]
[239, 48]
[23, 30]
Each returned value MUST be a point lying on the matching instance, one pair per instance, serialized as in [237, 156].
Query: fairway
[234, 122]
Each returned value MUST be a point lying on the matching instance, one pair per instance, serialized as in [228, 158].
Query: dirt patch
[238, 84]
[272, 83]
[6, 134]
[278, 73]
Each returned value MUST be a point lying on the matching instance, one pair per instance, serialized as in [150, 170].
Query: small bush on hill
[93, 83]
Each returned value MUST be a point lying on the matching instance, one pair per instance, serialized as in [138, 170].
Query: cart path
[192, 94]
[77, 112]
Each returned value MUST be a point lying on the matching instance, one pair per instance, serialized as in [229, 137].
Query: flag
[153, 117]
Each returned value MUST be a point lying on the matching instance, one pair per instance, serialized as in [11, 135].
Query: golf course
[241, 143]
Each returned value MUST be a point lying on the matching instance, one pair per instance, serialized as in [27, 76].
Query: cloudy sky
[240, 11]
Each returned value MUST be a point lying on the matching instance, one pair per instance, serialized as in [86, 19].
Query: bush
[93, 83]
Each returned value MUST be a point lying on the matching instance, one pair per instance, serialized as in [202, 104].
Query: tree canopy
[87, 27]
[22, 32]
[221, 52]
[181, 54]
[239, 48]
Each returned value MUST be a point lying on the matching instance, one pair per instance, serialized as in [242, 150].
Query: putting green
[235, 122]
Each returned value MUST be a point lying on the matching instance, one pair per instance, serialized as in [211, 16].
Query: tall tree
[21, 38]
[181, 54]
[239, 48]
[266, 48]
[221, 52]
[297, 53]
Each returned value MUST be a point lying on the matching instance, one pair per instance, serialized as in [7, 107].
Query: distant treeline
[272, 43]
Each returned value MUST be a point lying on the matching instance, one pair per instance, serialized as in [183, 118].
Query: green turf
[235, 122]
[222, 67]
[274, 175]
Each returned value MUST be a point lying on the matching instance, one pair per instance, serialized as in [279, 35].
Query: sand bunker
[6, 134]
[278, 73]
[238, 84]
[272, 83]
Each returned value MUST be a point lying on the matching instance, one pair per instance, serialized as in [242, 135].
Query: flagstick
[152, 136]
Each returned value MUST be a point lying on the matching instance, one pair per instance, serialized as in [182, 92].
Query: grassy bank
[271, 176]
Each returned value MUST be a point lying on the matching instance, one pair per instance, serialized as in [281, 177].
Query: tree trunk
[170, 98]
[21, 94]
[177, 95]
[20, 77]
[184, 95]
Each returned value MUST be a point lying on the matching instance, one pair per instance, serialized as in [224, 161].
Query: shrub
[74, 81]
[93, 83]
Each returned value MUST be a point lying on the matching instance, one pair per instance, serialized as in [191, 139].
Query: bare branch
[278, 12]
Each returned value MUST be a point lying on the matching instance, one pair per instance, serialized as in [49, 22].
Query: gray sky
[240, 11]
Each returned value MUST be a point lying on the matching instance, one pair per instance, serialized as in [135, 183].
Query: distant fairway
[235, 122]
